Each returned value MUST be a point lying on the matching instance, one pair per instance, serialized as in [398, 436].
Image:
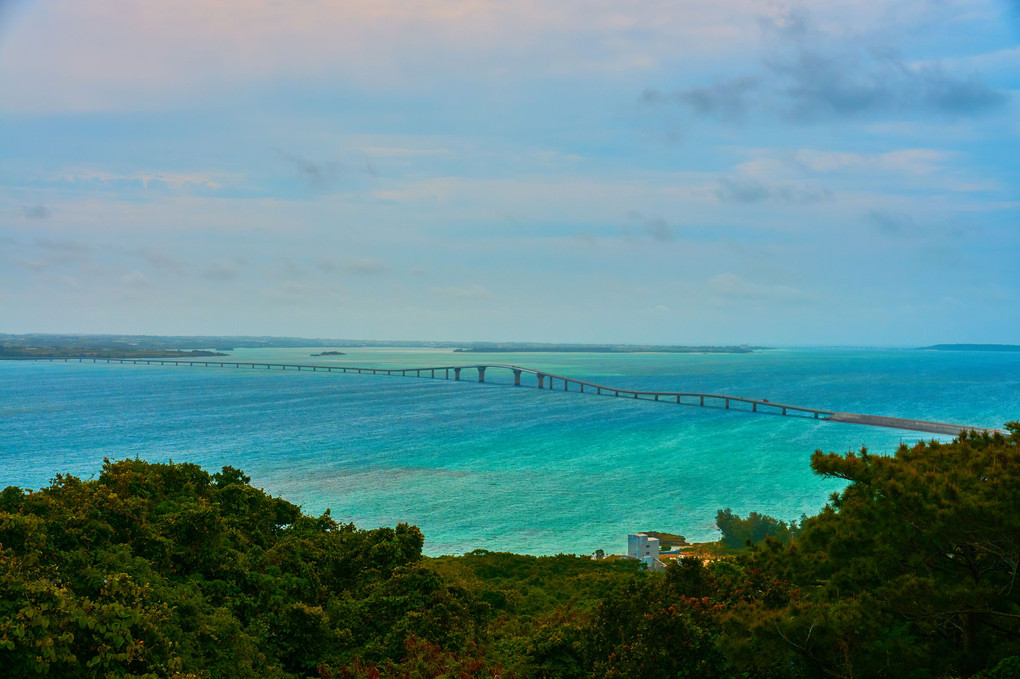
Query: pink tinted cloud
[102, 54]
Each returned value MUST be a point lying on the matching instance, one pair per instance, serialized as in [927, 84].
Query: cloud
[752, 191]
[319, 176]
[127, 54]
[656, 227]
[146, 179]
[221, 271]
[37, 212]
[365, 267]
[57, 255]
[69, 247]
[729, 99]
[135, 280]
[733, 287]
[892, 223]
[475, 291]
[744, 192]
[161, 261]
[814, 76]
[327, 265]
[903, 161]
[853, 81]
[404, 152]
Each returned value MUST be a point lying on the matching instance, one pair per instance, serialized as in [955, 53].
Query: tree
[911, 571]
[165, 570]
[738, 532]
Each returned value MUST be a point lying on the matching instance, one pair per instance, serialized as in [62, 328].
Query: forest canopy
[167, 570]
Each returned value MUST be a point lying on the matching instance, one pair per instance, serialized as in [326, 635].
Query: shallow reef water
[490, 465]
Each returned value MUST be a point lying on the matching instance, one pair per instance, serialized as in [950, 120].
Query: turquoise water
[491, 466]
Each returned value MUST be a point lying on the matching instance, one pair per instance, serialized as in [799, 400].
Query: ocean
[491, 466]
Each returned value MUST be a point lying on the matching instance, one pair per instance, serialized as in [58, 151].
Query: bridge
[546, 380]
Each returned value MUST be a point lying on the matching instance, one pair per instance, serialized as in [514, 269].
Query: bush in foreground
[165, 570]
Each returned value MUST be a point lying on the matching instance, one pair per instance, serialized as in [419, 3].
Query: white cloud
[475, 292]
[403, 152]
[366, 267]
[903, 161]
[731, 286]
[113, 54]
[175, 180]
[135, 279]
[221, 271]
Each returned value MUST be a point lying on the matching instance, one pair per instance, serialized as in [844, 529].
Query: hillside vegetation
[166, 570]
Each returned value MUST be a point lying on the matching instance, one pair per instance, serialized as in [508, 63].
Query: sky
[843, 172]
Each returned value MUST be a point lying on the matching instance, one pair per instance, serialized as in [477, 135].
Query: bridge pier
[714, 399]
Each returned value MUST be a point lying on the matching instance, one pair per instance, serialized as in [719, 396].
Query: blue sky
[684, 172]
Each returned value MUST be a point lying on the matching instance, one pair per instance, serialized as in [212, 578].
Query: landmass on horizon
[44, 345]
[974, 347]
[72, 344]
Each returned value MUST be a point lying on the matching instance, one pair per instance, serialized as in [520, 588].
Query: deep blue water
[491, 466]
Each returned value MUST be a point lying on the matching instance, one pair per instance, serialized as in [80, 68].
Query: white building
[644, 548]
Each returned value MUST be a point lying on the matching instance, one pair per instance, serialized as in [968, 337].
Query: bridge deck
[678, 397]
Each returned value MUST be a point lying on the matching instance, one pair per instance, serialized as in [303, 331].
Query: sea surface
[492, 466]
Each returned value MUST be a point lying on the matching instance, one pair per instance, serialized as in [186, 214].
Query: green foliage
[168, 571]
[738, 532]
[909, 572]
[1008, 668]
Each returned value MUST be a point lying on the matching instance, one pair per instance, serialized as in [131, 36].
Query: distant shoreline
[129, 345]
[15, 353]
[603, 349]
[974, 347]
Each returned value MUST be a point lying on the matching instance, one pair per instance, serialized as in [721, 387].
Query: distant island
[974, 347]
[329, 353]
[136, 343]
[527, 347]
[8, 352]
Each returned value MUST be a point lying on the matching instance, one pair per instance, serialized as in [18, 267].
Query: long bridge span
[546, 380]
